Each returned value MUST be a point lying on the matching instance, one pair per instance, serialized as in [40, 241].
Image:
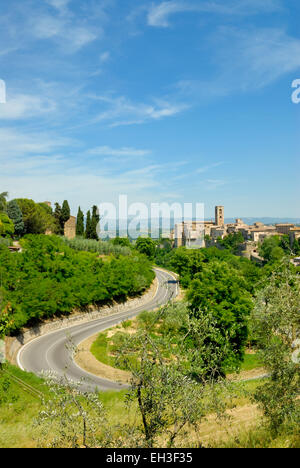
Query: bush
[50, 279]
[6, 225]
[100, 247]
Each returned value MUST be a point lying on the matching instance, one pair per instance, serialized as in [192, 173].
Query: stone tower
[70, 228]
[219, 216]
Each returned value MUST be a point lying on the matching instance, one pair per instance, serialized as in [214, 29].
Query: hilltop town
[199, 234]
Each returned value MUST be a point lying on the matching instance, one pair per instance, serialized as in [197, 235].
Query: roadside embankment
[13, 344]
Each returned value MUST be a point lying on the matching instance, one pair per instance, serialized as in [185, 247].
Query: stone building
[191, 234]
[70, 228]
[284, 228]
[217, 232]
[219, 216]
[294, 235]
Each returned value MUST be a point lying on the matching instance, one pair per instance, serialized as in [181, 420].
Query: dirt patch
[247, 375]
[87, 361]
[240, 418]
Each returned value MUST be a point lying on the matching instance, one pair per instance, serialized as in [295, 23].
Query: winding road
[50, 352]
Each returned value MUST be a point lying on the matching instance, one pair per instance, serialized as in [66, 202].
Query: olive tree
[276, 327]
[71, 417]
[170, 399]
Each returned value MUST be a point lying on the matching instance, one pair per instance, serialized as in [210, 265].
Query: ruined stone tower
[219, 216]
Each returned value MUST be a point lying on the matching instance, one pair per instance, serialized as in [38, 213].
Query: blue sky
[174, 101]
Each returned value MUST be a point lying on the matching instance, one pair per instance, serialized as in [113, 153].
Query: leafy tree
[276, 325]
[35, 217]
[146, 246]
[222, 291]
[88, 228]
[80, 223]
[169, 400]
[122, 241]
[232, 241]
[49, 278]
[272, 249]
[6, 225]
[71, 418]
[296, 247]
[16, 216]
[3, 201]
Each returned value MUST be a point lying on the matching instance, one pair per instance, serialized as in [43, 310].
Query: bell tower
[219, 216]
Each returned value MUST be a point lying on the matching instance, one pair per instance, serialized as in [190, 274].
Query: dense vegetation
[100, 247]
[274, 248]
[24, 216]
[49, 278]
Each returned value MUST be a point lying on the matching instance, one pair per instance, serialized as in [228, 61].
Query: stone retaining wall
[13, 344]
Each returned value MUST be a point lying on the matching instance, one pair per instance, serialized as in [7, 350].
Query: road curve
[50, 352]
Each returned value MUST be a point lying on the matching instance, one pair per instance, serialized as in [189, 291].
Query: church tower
[219, 216]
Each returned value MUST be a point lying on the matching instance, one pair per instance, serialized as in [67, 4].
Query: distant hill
[250, 221]
[265, 220]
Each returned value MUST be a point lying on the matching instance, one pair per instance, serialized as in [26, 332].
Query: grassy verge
[104, 348]
[251, 361]
[18, 408]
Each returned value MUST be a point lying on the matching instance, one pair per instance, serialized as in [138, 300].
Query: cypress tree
[58, 219]
[80, 223]
[15, 214]
[65, 212]
[88, 229]
[94, 223]
[3, 202]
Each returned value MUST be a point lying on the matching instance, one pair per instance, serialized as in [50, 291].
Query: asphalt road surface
[50, 352]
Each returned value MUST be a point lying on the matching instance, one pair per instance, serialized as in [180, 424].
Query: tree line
[50, 279]
[24, 216]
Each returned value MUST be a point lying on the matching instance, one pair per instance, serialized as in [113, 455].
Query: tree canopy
[49, 278]
[3, 200]
[15, 214]
[6, 225]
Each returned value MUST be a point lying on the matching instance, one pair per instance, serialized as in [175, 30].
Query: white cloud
[68, 34]
[202, 170]
[17, 144]
[46, 27]
[213, 184]
[121, 111]
[247, 59]
[25, 106]
[105, 57]
[60, 5]
[48, 167]
[158, 15]
[108, 151]
[267, 54]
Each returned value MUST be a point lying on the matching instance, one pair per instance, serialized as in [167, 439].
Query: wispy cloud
[104, 57]
[15, 143]
[119, 152]
[248, 59]
[202, 170]
[159, 15]
[213, 184]
[43, 166]
[65, 32]
[24, 106]
[60, 5]
[122, 111]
